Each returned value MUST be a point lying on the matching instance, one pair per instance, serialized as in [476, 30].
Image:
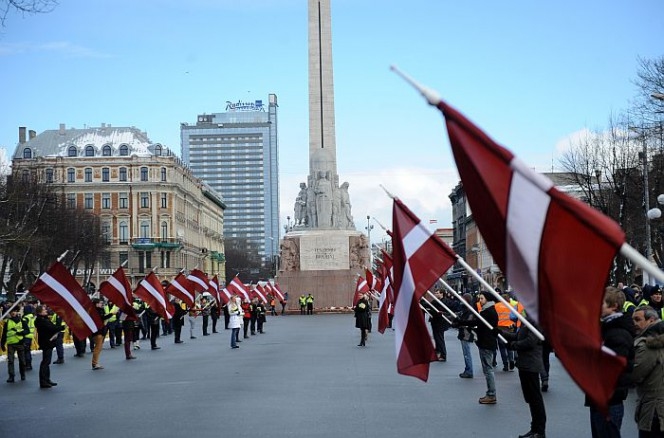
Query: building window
[105, 201]
[164, 230]
[106, 232]
[164, 200]
[71, 200]
[27, 153]
[163, 174]
[144, 173]
[124, 257]
[106, 151]
[105, 174]
[25, 176]
[123, 232]
[123, 174]
[89, 201]
[145, 200]
[49, 175]
[123, 200]
[144, 260]
[157, 150]
[89, 151]
[88, 174]
[124, 150]
[72, 152]
[165, 259]
[71, 175]
[145, 229]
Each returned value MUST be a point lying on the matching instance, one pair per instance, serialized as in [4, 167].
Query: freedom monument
[322, 253]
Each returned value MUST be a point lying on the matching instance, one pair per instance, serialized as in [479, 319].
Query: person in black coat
[178, 319]
[47, 333]
[530, 365]
[362, 319]
[618, 332]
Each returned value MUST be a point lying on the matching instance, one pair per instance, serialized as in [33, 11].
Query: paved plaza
[305, 377]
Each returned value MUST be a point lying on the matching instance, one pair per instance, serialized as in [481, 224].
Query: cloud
[63, 48]
[565, 143]
[424, 191]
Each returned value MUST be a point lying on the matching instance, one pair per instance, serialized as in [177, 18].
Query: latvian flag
[150, 291]
[118, 291]
[183, 289]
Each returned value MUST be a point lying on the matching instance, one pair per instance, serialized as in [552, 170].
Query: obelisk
[322, 253]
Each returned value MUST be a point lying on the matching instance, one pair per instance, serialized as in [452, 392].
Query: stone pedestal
[325, 263]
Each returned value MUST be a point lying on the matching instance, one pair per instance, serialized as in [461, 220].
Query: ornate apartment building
[154, 212]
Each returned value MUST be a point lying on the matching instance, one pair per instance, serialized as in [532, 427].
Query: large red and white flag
[214, 290]
[151, 291]
[280, 294]
[118, 291]
[199, 280]
[236, 286]
[183, 289]
[386, 299]
[260, 293]
[225, 295]
[361, 288]
[555, 250]
[419, 258]
[60, 291]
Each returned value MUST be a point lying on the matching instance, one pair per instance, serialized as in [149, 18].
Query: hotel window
[144, 173]
[123, 174]
[89, 151]
[164, 230]
[72, 152]
[105, 201]
[123, 200]
[27, 153]
[71, 175]
[163, 174]
[49, 175]
[89, 201]
[145, 228]
[123, 232]
[105, 174]
[145, 200]
[164, 200]
[124, 150]
[106, 151]
[88, 174]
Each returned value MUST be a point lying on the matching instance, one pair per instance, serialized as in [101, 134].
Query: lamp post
[646, 191]
[369, 227]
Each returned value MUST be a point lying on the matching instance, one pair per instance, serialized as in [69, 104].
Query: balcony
[143, 244]
[169, 243]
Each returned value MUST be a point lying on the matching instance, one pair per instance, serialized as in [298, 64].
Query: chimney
[103, 125]
[21, 134]
[32, 134]
[62, 129]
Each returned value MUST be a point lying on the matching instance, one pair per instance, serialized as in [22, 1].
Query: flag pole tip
[430, 95]
[387, 191]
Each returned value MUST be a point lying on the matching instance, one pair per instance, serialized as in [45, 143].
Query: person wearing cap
[655, 299]
[12, 342]
[47, 334]
[29, 318]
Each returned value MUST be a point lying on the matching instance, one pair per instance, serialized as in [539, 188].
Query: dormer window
[157, 150]
[89, 151]
[27, 153]
[106, 151]
[124, 150]
[72, 151]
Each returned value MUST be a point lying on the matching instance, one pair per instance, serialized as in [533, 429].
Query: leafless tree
[25, 7]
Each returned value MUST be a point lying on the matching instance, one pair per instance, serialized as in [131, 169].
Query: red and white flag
[555, 250]
[183, 289]
[225, 295]
[199, 280]
[151, 291]
[118, 291]
[214, 290]
[236, 286]
[60, 291]
[260, 293]
[278, 293]
[386, 298]
[420, 258]
[361, 288]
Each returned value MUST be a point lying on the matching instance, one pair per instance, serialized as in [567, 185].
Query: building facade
[154, 213]
[237, 153]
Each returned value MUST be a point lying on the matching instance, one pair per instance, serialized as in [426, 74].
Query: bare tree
[25, 7]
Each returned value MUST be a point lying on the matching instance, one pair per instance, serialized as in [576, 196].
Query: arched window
[106, 151]
[164, 230]
[157, 150]
[89, 151]
[124, 150]
[163, 174]
[145, 228]
[27, 153]
[72, 151]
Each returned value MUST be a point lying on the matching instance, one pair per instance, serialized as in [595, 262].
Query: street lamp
[646, 194]
[369, 227]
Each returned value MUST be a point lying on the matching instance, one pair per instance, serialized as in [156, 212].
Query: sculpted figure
[312, 218]
[347, 217]
[301, 206]
[323, 191]
[290, 260]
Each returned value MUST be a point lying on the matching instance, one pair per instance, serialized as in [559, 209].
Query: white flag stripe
[402, 307]
[527, 210]
[181, 288]
[119, 287]
[197, 280]
[73, 302]
[214, 285]
[415, 239]
[148, 287]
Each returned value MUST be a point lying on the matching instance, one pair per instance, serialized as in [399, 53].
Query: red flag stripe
[190, 297]
[159, 297]
[63, 291]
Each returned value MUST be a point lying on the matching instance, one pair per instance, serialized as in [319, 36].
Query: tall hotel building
[236, 153]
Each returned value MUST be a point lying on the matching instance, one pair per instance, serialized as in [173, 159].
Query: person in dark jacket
[466, 336]
[438, 326]
[618, 332]
[12, 341]
[529, 362]
[178, 319]
[486, 343]
[362, 319]
[47, 334]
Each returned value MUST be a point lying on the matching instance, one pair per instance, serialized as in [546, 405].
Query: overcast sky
[531, 74]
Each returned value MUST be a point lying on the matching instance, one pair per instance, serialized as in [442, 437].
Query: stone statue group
[323, 204]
